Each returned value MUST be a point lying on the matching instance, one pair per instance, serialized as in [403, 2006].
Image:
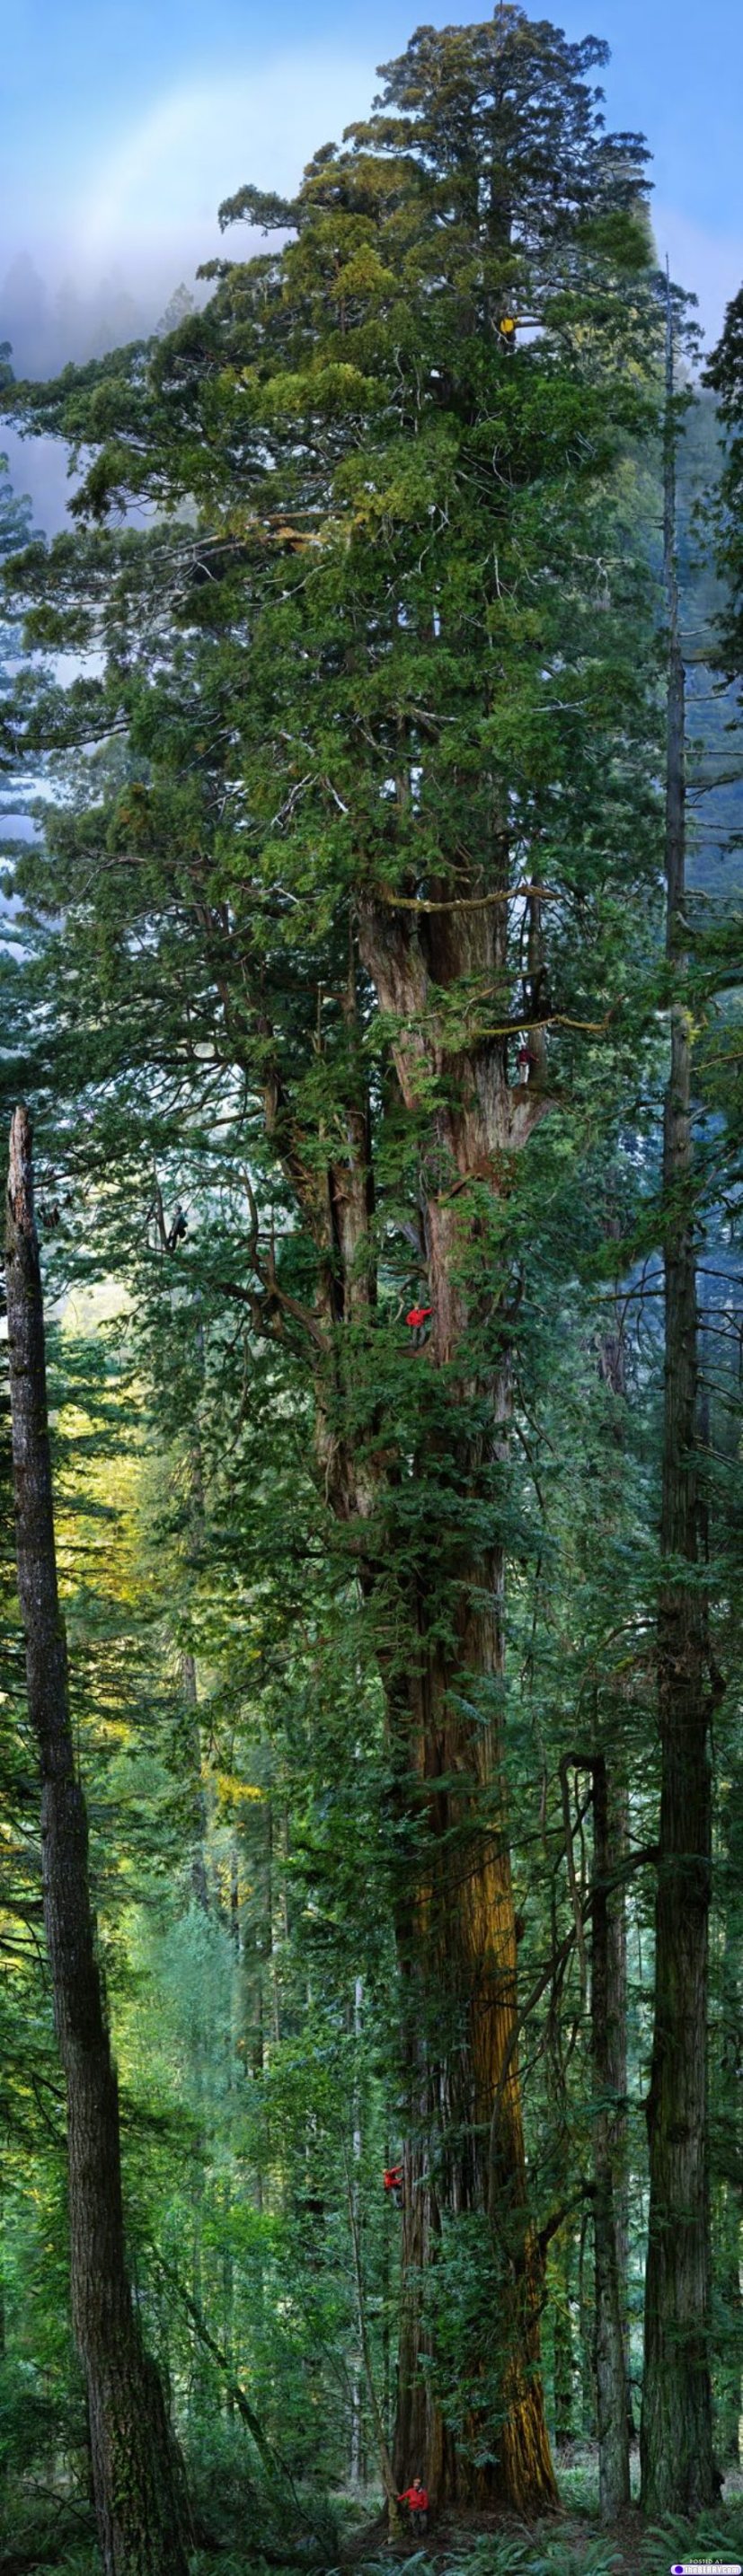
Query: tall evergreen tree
[678, 2467]
[139, 2508]
[390, 715]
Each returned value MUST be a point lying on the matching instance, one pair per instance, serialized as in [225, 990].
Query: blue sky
[126, 120]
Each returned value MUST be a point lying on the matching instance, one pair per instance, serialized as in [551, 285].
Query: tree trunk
[199, 1881]
[676, 2439]
[456, 1925]
[454, 1912]
[138, 2495]
[355, 2448]
[586, 2334]
[611, 2377]
[611, 1832]
[730, 2130]
[563, 2342]
[457, 1949]
[616, 2042]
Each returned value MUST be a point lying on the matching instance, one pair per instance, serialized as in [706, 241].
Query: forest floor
[565, 2545]
[570, 2542]
[56, 2539]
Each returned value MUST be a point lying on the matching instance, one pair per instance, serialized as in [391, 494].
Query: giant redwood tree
[382, 856]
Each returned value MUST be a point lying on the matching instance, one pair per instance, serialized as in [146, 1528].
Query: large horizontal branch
[555, 1020]
[469, 902]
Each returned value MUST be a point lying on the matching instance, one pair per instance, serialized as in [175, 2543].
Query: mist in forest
[136, 213]
[48, 326]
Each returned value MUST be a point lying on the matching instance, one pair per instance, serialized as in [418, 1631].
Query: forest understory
[53, 2540]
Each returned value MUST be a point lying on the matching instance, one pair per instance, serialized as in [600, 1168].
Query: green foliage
[713, 2536]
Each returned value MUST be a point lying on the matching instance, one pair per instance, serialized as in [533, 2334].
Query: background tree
[677, 2395]
[138, 2507]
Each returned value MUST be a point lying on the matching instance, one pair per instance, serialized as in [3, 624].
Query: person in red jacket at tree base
[416, 2499]
[418, 1318]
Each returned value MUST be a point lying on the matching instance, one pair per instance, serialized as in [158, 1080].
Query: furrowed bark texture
[611, 2376]
[676, 2439]
[455, 1921]
[457, 1935]
[457, 1948]
[138, 2492]
[458, 1953]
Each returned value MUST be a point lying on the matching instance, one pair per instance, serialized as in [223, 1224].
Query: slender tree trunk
[616, 2042]
[729, 2105]
[199, 1881]
[355, 2187]
[3, 2452]
[139, 2503]
[676, 2439]
[611, 2380]
[382, 2447]
[612, 1834]
[563, 2342]
[586, 2333]
[194, 1556]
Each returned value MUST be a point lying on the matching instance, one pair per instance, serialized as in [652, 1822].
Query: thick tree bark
[611, 2377]
[455, 1917]
[460, 1956]
[457, 1944]
[458, 1940]
[676, 2440]
[138, 2491]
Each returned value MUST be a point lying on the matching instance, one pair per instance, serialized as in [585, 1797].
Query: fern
[714, 2535]
[500, 2555]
